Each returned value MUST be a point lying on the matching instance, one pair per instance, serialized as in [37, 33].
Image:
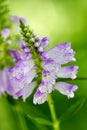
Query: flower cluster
[33, 66]
[53, 60]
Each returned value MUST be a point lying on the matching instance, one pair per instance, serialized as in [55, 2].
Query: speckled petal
[19, 77]
[48, 77]
[39, 98]
[50, 65]
[45, 88]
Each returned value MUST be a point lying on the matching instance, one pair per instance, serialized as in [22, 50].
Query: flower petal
[27, 91]
[48, 77]
[19, 77]
[61, 53]
[5, 32]
[15, 54]
[45, 88]
[16, 19]
[44, 42]
[50, 65]
[68, 72]
[66, 89]
[39, 98]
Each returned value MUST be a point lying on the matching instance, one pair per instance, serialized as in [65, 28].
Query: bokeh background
[60, 20]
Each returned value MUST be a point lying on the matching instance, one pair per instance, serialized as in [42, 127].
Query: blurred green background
[60, 20]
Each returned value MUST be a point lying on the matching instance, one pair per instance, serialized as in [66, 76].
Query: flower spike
[33, 66]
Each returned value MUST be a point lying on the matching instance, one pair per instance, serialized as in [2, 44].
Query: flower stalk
[29, 38]
[53, 113]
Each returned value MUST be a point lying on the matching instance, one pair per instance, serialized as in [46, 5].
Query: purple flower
[19, 78]
[41, 43]
[48, 77]
[66, 89]
[52, 65]
[5, 32]
[38, 39]
[45, 87]
[61, 53]
[68, 72]
[40, 49]
[16, 19]
[15, 54]
[36, 44]
[39, 98]
[26, 91]
[44, 42]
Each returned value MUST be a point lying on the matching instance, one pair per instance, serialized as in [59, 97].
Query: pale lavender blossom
[44, 42]
[5, 32]
[41, 43]
[61, 53]
[38, 39]
[16, 19]
[46, 87]
[52, 65]
[40, 49]
[39, 98]
[15, 54]
[36, 44]
[19, 78]
[68, 72]
[66, 89]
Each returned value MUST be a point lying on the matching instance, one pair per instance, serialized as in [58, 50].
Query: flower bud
[44, 42]
[40, 49]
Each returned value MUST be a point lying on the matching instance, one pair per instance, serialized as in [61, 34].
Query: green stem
[53, 113]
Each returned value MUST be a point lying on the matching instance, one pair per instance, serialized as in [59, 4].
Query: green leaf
[42, 121]
[34, 114]
[8, 120]
[30, 110]
[73, 110]
[4, 15]
[20, 118]
[34, 125]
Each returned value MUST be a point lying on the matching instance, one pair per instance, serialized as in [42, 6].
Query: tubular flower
[5, 32]
[20, 77]
[52, 61]
[34, 66]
